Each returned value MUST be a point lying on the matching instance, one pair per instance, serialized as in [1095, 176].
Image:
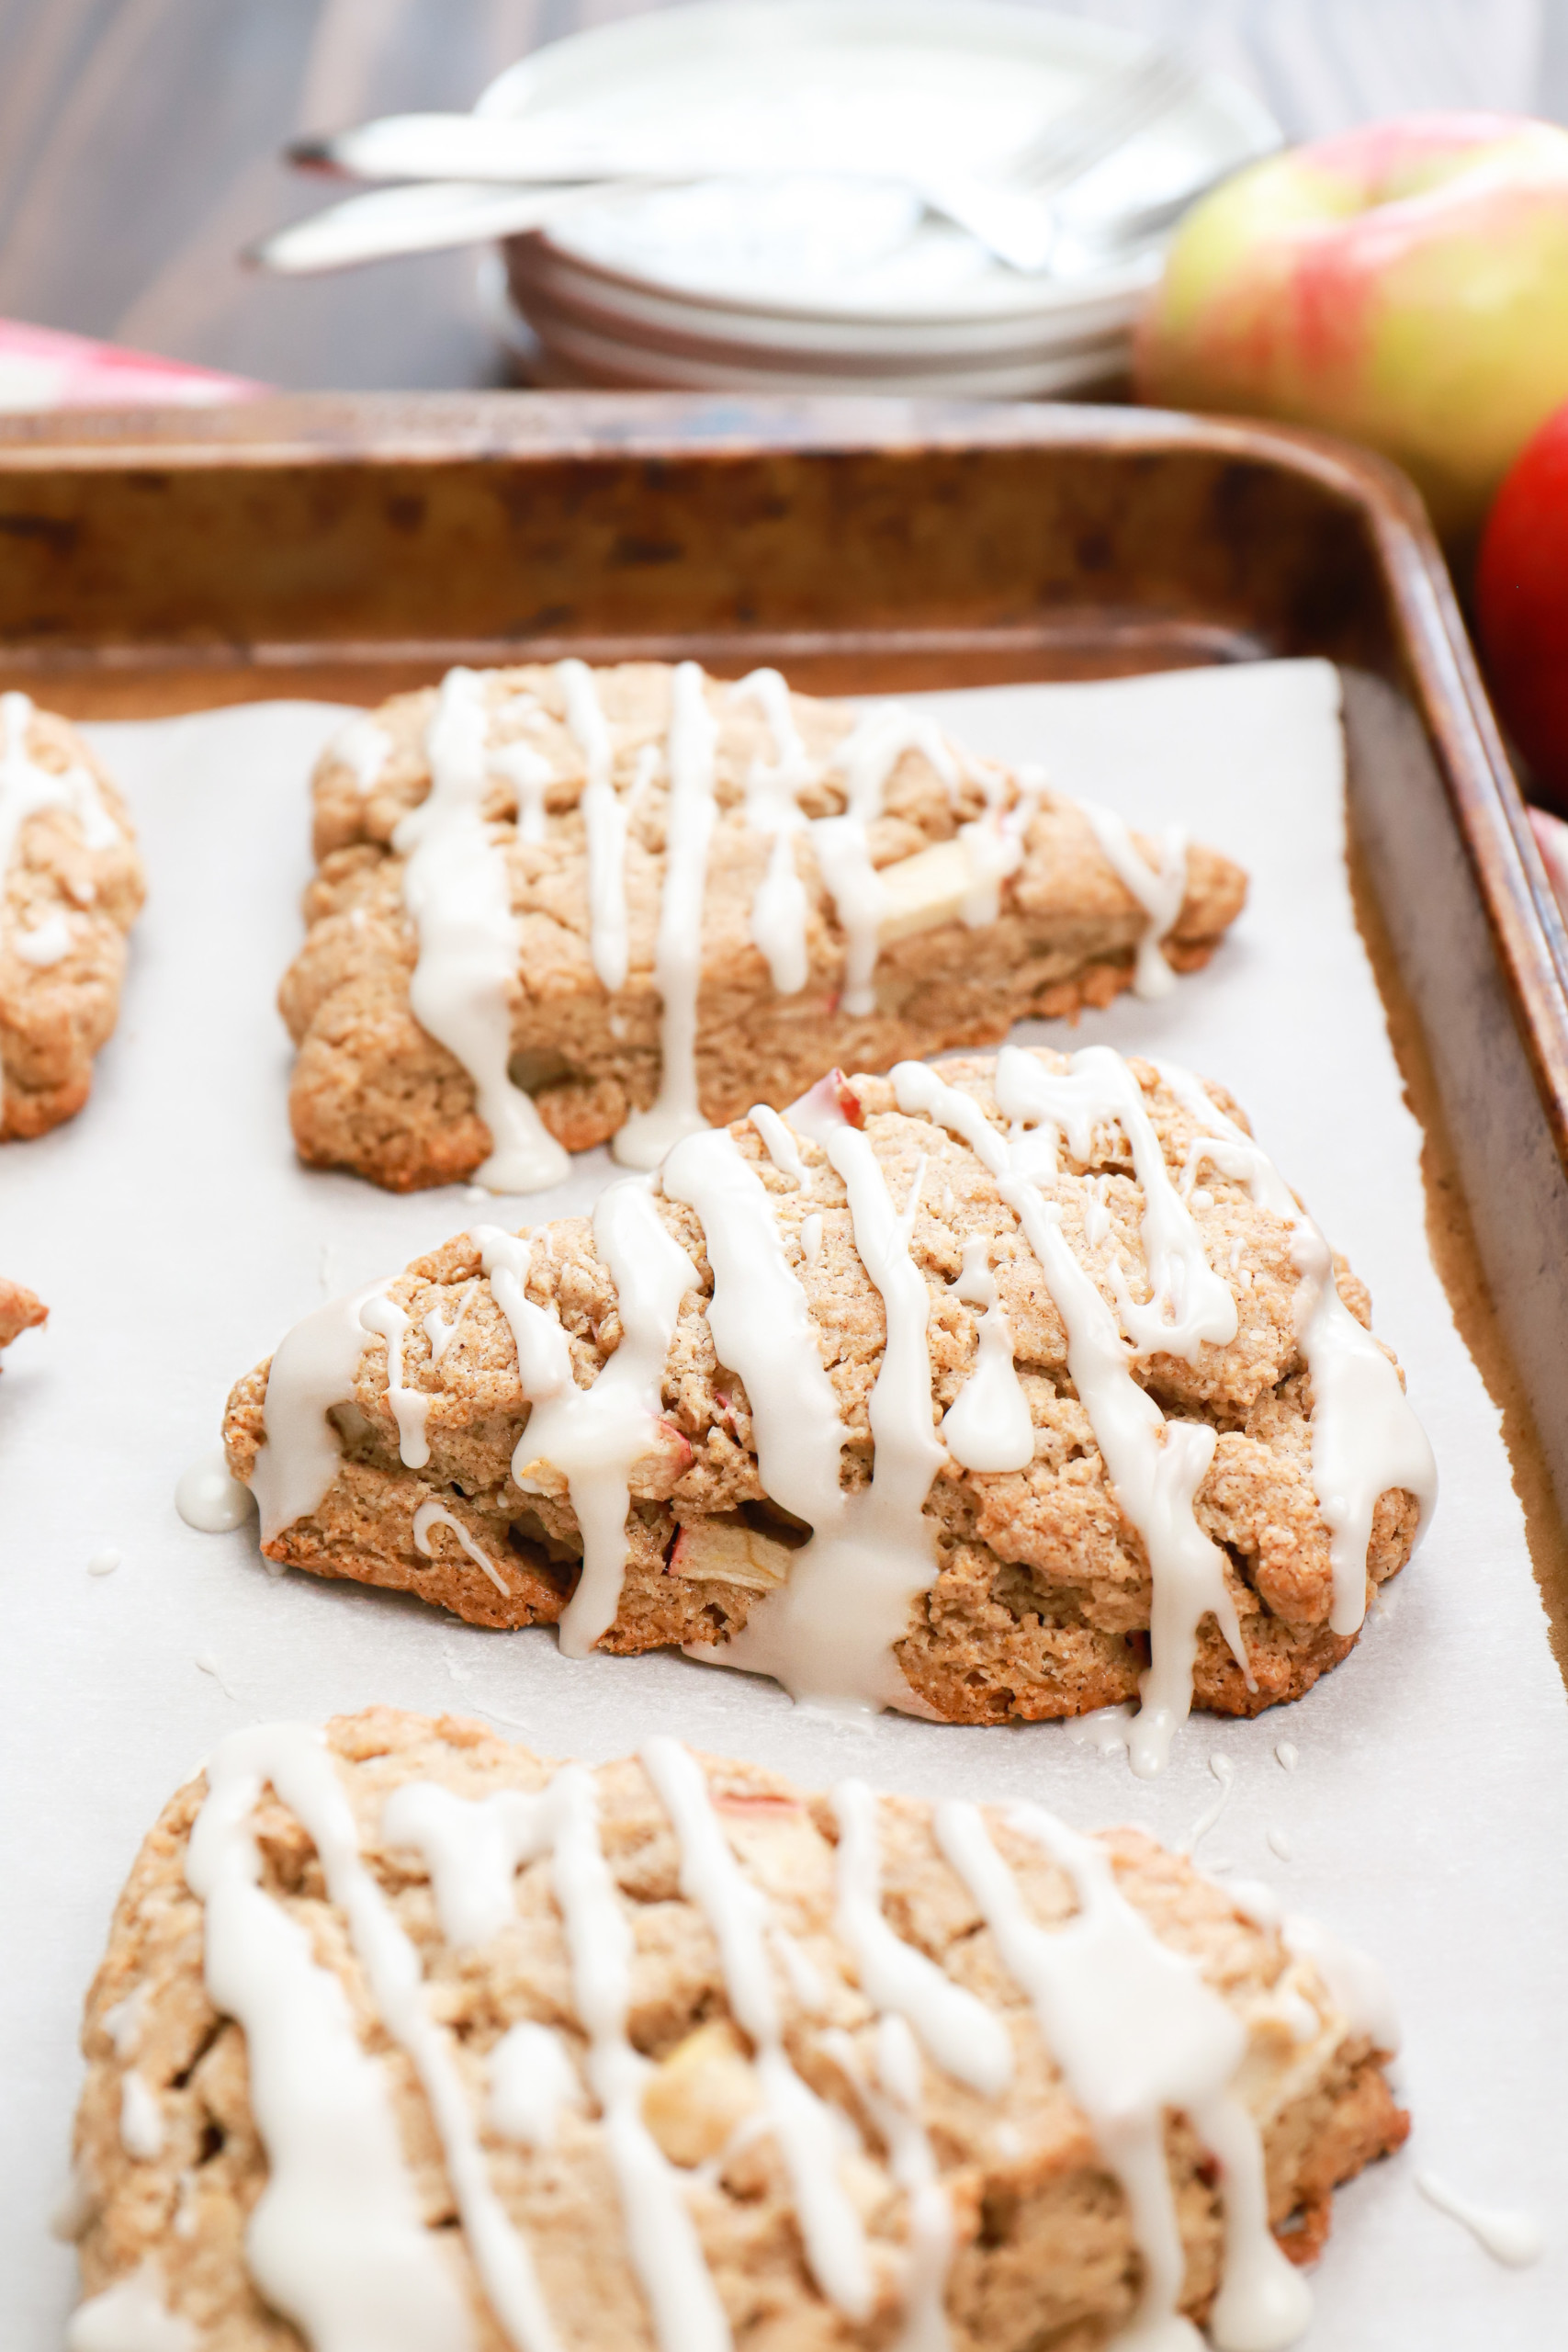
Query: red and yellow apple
[1521, 604]
[1405, 284]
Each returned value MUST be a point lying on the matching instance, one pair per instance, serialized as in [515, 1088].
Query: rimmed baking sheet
[175, 1238]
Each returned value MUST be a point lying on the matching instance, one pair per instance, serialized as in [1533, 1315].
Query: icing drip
[315, 1368]
[434, 1514]
[781, 908]
[473, 1849]
[1155, 1466]
[593, 1436]
[208, 1499]
[442, 1334]
[866, 759]
[780, 1144]
[895, 2105]
[130, 2316]
[1365, 1436]
[678, 953]
[811, 1237]
[994, 843]
[1188, 1303]
[46, 944]
[1160, 891]
[364, 749]
[28, 790]
[665, 2250]
[761, 1325]
[456, 888]
[989, 1425]
[336, 2240]
[828, 1632]
[141, 2120]
[605, 822]
[956, 2031]
[410, 1406]
[807, 2132]
[532, 2080]
[1513, 2239]
[1136, 2031]
[530, 774]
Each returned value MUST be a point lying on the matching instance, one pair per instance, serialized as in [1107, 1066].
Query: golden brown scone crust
[1042, 1604]
[1044, 2254]
[373, 1091]
[19, 1311]
[55, 1017]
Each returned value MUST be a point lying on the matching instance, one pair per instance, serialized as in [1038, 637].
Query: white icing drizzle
[1365, 1436]
[989, 1425]
[781, 908]
[605, 822]
[678, 953]
[434, 1514]
[209, 1498]
[364, 749]
[130, 2316]
[313, 1368]
[336, 2239]
[457, 888]
[1136, 2030]
[47, 943]
[123, 2022]
[593, 1436]
[828, 1632]
[665, 2250]
[761, 1325]
[410, 1406]
[1512, 2239]
[1357, 1986]
[895, 2105]
[807, 2131]
[955, 2030]
[866, 759]
[780, 1144]
[530, 774]
[1223, 1771]
[1160, 891]
[442, 1333]
[473, 1849]
[811, 1237]
[1155, 1466]
[141, 2119]
[532, 2083]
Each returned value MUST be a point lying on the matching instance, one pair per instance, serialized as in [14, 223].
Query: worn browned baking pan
[345, 547]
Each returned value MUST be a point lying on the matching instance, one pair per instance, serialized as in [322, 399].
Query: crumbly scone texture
[1044, 2256]
[1041, 1604]
[374, 1091]
[20, 1310]
[55, 1016]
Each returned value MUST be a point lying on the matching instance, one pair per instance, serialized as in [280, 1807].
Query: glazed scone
[20, 1311]
[71, 886]
[556, 905]
[1059, 1420]
[407, 2039]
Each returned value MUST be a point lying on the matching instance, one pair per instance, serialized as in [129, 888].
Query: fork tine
[1065, 149]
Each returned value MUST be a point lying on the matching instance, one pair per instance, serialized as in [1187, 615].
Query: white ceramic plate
[803, 82]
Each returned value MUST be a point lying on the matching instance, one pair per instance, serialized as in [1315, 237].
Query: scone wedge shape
[1008, 1388]
[406, 2038]
[70, 886]
[557, 905]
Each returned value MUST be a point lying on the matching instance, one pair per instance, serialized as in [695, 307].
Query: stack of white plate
[815, 266]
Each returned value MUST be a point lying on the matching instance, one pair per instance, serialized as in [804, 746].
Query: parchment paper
[175, 1239]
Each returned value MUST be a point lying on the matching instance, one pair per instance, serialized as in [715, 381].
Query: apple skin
[1405, 284]
[1521, 605]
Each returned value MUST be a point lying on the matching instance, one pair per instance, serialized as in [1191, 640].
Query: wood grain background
[139, 141]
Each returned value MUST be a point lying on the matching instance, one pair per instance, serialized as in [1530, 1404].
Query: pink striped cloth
[40, 369]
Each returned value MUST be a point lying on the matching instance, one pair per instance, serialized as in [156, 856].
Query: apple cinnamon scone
[71, 886]
[406, 2038]
[20, 1310]
[1012, 1387]
[556, 905]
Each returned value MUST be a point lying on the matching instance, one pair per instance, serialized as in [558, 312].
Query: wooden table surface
[139, 141]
